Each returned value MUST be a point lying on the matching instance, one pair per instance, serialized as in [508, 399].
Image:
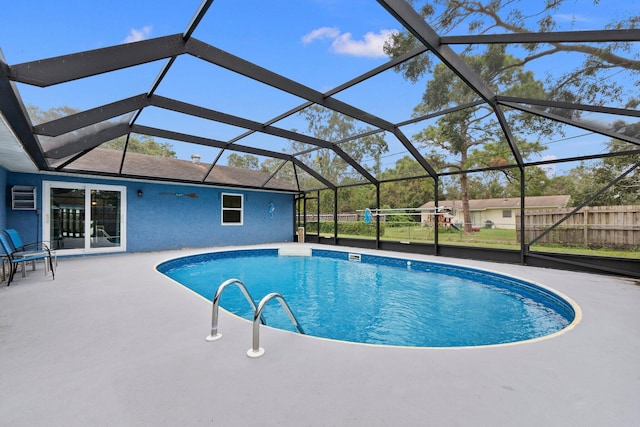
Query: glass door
[84, 218]
[105, 226]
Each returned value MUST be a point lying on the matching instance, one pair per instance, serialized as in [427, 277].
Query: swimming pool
[374, 299]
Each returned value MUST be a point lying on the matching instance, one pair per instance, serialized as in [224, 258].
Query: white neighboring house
[494, 213]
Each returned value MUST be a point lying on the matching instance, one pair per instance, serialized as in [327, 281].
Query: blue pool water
[378, 300]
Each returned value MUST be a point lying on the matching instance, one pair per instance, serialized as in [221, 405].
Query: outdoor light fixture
[139, 193]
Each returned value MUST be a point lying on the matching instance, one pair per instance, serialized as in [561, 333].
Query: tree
[587, 82]
[591, 178]
[331, 126]
[473, 137]
[334, 127]
[359, 197]
[561, 184]
[142, 144]
[285, 170]
[246, 161]
[137, 144]
[39, 116]
[487, 185]
[409, 193]
[536, 181]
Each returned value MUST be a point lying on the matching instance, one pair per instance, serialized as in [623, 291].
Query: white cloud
[321, 33]
[549, 170]
[137, 35]
[371, 46]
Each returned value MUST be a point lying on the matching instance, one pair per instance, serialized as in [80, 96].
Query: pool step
[294, 251]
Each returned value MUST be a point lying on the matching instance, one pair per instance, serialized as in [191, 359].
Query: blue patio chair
[18, 245]
[28, 249]
[21, 257]
[16, 241]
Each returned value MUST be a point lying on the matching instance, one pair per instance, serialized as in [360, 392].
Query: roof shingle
[108, 161]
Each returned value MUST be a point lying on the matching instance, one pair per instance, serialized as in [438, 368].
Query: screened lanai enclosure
[497, 130]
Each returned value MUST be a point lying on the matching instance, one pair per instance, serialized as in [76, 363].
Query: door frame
[87, 187]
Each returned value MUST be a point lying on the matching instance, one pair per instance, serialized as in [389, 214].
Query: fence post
[585, 221]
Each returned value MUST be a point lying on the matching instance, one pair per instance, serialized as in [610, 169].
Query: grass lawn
[487, 237]
[426, 234]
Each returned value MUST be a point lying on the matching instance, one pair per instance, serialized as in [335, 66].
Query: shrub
[350, 228]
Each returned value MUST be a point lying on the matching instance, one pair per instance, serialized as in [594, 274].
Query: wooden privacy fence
[593, 226]
[350, 217]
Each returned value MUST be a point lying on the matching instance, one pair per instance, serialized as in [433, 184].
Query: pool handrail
[256, 350]
[215, 335]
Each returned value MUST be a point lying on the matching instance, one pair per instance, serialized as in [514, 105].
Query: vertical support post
[378, 215]
[585, 223]
[304, 212]
[318, 213]
[296, 214]
[436, 217]
[335, 216]
[523, 244]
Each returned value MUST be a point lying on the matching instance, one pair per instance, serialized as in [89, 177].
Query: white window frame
[240, 209]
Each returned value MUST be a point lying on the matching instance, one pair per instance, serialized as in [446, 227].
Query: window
[232, 209]
[506, 213]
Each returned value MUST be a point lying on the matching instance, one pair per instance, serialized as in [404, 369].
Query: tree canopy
[339, 129]
[246, 161]
[137, 143]
[473, 137]
[589, 178]
[142, 144]
[586, 82]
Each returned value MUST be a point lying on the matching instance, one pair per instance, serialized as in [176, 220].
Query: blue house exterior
[156, 217]
[3, 198]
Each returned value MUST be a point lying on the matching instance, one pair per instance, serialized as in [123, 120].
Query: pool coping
[113, 342]
[455, 270]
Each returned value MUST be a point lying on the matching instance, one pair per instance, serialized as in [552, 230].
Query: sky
[319, 43]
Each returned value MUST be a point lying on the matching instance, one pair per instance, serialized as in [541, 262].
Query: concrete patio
[112, 342]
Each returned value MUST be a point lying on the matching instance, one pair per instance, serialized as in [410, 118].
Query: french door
[84, 218]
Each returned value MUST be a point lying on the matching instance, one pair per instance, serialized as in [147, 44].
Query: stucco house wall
[158, 221]
[483, 210]
[3, 198]
[497, 218]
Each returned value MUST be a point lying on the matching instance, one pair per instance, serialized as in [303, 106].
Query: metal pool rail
[255, 350]
[214, 336]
